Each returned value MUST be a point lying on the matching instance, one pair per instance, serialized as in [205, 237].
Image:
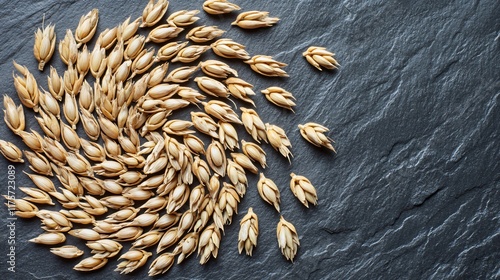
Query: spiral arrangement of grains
[139, 175]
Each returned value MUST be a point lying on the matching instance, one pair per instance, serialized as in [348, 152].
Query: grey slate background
[414, 191]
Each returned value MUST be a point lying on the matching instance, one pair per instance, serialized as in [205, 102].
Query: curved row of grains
[142, 162]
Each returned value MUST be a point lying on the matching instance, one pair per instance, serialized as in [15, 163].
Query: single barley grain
[218, 7]
[249, 231]
[45, 43]
[254, 19]
[315, 134]
[269, 191]
[320, 57]
[288, 239]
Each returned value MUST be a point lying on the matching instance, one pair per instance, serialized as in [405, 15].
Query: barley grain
[163, 33]
[279, 97]
[13, 115]
[209, 243]
[67, 251]
[254, 19]
[161, 264]
[249, 231]
[183, 18]
[10, 151]
[217, 69]
[68, 48]
[153, 12]
[51, 238]
[168, 51]
[320, 57]
[288, 239]
[37, 196]
[91, 264]
[254, 152]
[253, 124]
[229, 49]
[269, 191]
[190, 53]
[218, 7]
[240, 89]
[45, 43]
[278, 139]
[315, 134]
[267, 66]
[203, 34]
[86, 27]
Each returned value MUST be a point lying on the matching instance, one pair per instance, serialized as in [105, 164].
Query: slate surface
[414, 191]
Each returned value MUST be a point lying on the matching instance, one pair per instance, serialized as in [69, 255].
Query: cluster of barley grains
[142, 142]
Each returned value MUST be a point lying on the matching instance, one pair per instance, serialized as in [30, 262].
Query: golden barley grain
[163, 33]
[104, 248]
[23, 208]
[254, 152]
[303, 189]
[190, 53]
[51, 238]
[320, 57]
[128, 29]
[183, 18]
[203, 34]
[86, 27]
[181, 74]
[186, 246]
[13, 115]
[217, 69]
[168, 51]
[67, 251]
[221, 111]
[254, 19]
[236, 174]
[229, 49]
[269, 191]
[36, 196]
[218, 7]
[240, 89]
[45, 43]
[107, 38]
[153, 12]
[278, 139]
[209, 243]
[39, 163]
[267, 66]
[68, 48]
[56, 84]
[161, 264]
[279, 97]
[315, 134]
[134, 47]
[26, 87]
[249, 231]
[288, 239]
[245, 162]
[90, 264]
[10, 151]
[253, 124]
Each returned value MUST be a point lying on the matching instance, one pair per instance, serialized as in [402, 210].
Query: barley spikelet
[254, 19]
[45, 43]
[218, 7]
[303, 189]
[315, 134]
[320, 57]
[288, 239]
[249, 231]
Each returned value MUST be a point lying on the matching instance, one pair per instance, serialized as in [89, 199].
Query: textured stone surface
[414, 191]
